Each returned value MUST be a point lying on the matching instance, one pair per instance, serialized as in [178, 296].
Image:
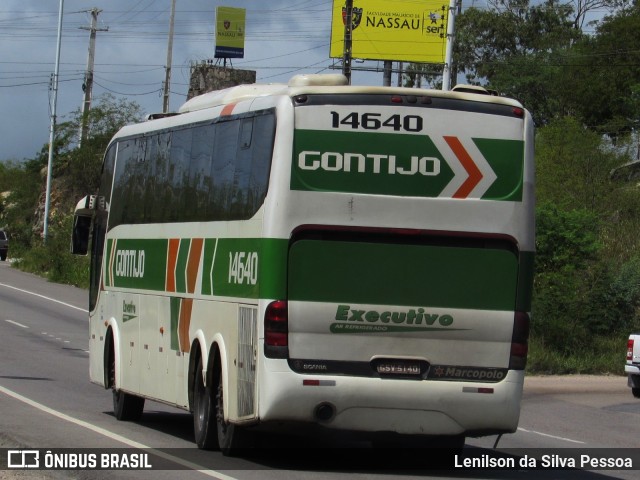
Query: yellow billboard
[230, 23]
[400, 30]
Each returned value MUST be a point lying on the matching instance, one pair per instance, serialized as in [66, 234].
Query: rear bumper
[633, 375]
[632, 369]
[390, 405]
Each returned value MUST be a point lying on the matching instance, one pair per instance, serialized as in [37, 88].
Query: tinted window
[100, 224]
[202, 172]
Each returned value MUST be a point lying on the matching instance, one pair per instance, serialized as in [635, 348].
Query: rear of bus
[409, 223]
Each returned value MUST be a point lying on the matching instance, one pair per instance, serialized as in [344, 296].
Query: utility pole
[448, 56]
[52, 129]
[386, 75]
[454, 68]
[87, 86]
[167, 78]
[348, 28]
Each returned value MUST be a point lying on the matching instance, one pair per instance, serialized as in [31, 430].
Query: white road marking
[115, 436]
[551, 436]
[42, 296]
[16, 323]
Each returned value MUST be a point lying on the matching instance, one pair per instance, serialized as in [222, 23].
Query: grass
[54, 262]
[603, 355]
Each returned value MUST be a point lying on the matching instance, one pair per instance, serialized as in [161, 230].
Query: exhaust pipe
[324, 412]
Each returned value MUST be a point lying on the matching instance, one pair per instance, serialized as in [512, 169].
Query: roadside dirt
[567, 384]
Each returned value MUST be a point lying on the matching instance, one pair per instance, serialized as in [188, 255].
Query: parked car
[4, 245]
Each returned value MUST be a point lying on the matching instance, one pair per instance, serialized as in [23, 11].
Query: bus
[316, 254]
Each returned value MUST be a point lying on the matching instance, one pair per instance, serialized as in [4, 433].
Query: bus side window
[261, 153]
[246, 132]
[223, 170]
[199, 187]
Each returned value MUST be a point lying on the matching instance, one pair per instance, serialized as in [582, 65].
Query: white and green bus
[317, 254]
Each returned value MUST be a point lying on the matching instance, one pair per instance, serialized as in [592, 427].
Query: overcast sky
[283, 38]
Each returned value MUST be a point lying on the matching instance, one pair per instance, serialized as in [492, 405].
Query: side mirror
[80, 235]
[82, 219]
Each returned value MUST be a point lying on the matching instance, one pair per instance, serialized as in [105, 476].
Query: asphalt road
[47, 402]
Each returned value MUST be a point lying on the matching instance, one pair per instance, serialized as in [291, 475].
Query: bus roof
[335, 84]
[329, 83]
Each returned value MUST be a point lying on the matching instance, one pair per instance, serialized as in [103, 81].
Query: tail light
[630, 350]
[519, 341]
[276, 330]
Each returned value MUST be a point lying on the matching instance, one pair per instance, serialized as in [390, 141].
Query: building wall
[206, 78]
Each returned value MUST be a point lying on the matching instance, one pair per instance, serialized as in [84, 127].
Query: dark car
[4, 245]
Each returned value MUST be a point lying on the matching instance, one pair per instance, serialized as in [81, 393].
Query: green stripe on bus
[335, 162]
[506, 158]
[231, 267]
[399, 164]
[175, 303]
[140, 264]
[207, 261]
[108, 274]
[389, 274]
[250, 268]
[273, 268]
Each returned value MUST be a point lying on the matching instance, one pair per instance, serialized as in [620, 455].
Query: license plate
[398, 369]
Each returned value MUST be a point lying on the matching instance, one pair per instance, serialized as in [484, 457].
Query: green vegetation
[76, 172]
[584, 92]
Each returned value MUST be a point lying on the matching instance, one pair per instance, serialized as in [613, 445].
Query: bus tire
[204, 416]
[127, 407]
[635, 392]
[232, 439]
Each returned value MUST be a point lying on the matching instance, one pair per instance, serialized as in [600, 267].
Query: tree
[583, 7]
[514, 48]
[20, 188]
[79, 167]
[76, 171]
[603, 75]
[572, 167]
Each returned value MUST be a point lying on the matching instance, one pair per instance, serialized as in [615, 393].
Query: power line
[128, 94]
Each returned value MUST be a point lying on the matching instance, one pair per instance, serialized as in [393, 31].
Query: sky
[283, 38]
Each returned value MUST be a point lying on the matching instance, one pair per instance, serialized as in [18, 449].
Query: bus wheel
[231, 438]
[126, 407]
[204, 418]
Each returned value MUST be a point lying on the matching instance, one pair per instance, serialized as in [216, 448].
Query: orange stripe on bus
[172, 258]
[228, 109]
[184, 322]
[475, 175]
[193, 263]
